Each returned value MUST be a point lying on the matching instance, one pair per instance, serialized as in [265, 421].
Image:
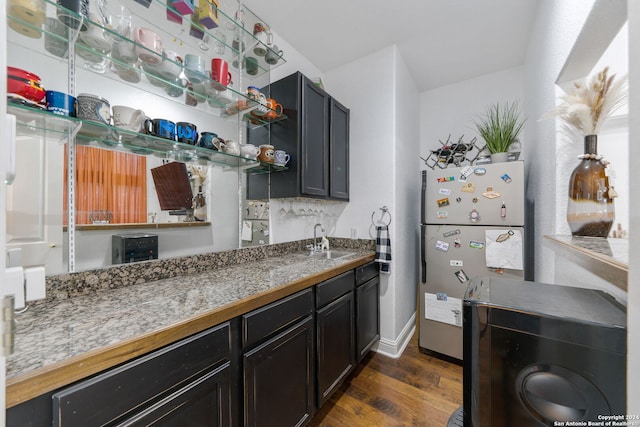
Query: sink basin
[332, 254]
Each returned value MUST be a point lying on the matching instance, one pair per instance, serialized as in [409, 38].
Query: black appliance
[539, 355]
[126, 248]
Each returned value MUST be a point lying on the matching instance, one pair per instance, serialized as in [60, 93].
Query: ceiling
[441, 41]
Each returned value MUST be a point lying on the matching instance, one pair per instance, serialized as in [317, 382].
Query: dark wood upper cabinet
[339, 151]
[316, 136]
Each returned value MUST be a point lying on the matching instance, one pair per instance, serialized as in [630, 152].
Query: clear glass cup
[220, 44]
[117, 18]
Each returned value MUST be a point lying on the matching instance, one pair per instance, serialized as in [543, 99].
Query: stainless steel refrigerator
[472, 224]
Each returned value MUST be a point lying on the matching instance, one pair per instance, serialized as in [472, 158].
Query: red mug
[220, 73]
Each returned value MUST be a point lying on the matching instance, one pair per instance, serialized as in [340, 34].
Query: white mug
[249, 151]
[229, 146]
[128, 118]
[171, 65]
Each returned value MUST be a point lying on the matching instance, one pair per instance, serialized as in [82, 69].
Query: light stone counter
[607, 258]
[68, 338]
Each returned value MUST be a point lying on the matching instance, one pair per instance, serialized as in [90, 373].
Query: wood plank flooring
[413, 390]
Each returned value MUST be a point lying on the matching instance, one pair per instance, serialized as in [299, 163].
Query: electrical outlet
[354, 233]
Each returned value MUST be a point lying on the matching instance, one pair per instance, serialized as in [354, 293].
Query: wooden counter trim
[604, 266]
[138, 226]
[48, 378]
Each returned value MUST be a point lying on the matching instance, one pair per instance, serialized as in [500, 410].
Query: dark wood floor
[414, 390]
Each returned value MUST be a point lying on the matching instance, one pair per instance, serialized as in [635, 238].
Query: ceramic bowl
[94, 108]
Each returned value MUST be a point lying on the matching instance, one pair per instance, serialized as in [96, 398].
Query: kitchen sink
[331, 254]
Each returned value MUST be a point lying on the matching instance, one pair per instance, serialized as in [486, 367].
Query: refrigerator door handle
[423, 253]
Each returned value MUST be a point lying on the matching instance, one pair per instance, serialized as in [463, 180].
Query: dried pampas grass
[590, 102]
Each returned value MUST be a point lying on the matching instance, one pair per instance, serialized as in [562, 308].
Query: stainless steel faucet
[316, 246]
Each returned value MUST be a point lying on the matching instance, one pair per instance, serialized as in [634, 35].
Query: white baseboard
[395, 348]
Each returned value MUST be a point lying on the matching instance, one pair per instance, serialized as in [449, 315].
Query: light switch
[35, 288]
[14, 285]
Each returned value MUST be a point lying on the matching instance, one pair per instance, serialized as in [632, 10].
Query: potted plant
[500, 127]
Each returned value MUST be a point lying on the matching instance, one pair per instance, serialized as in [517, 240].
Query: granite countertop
[64, 340]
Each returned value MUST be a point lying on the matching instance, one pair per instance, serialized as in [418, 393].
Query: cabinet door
[121, 392]
[339, 151]
[279, 379]
[367, 316]
[336, 343]
[205, 402]
[314, 155]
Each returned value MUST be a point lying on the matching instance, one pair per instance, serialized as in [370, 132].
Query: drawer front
[366, 272]
[115, 393]
[270, 319]
[334, 288]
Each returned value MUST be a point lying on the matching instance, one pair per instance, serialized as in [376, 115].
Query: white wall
[370, 96]
[553, 156]
[633, 303]
[554, 33]
[450, 110]
[384, 171]
[407, 194]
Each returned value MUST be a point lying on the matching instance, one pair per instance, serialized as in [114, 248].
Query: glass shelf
[43, 123]
[253, 120]
[264, 167]
[154, 81]
[235, 36]
[112, 138]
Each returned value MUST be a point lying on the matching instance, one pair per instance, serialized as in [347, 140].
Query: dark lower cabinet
[260, 369]
[203, 402]
[186, 383]
[367, 316]
[335, 330]
[367, 308]
[279, 378]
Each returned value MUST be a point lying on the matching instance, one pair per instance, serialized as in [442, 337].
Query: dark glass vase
[590, 211]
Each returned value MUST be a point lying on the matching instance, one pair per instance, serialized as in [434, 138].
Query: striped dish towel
[383, 249]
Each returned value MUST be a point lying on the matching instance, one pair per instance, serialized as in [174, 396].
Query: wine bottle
[199, 206]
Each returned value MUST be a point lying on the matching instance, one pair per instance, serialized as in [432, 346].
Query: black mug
[187, 133]
[74, 12]
[161, 128]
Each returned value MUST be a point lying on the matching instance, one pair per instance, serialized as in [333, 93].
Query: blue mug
[206, 140]
[187, 133]
[60, 103]
[161, 128]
